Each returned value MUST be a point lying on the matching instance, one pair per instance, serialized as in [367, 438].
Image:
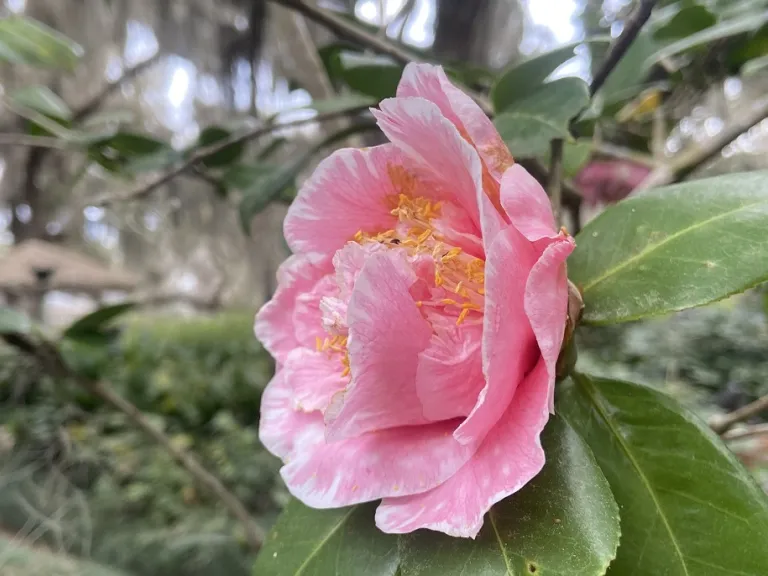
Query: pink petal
[397, 461]
[527, 205]
[279, 422]
[386, 334]
[347, 192]
[430, 82]
[274, 322]
[314, 378]
[508, 458]
[450, 374]
[546, 304]
[307, 316]
[447, 164]
[509, 347]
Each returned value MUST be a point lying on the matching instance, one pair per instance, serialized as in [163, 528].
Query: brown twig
[623, 42]
[96, 102]
[202, 153]
[31, 141]
[746, 432]
[53, 363]
[693, 157]
[723, 423]
[555, 187]
[349, 30]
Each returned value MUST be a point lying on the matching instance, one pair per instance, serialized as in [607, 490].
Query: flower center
[459, 277]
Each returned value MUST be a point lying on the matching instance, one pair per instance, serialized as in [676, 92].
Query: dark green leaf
[14, 322]
[27, 41]
[673, 248]
[687, 21]
[523, 80]
[273, 183]
[225, 156]
[628, 78]
[123, 150]
[330, 54]
[704, 38]
[42, 99]
[565, 521]
[532, 122]
[575, 156]
[246, 176]
[688, 508]
[94, 327]
[337, 542]
[343, 103]
[376, 76]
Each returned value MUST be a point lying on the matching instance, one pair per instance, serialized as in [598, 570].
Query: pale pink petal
[392, 462]
[449, 166]
[280, 422]
[274, 322]
[314, 378]
[347, 192]
[430, 82]
[546, 304]
[509, 346]
[508, 458]
[307, 316]
[450, 374]
[386, 334]
[527, 205]
[349, 261]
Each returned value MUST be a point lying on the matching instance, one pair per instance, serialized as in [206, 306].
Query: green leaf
[628, 78]
[523, 80]
[752, 67]
[529, 125]
[704, 38]
[342, 103]
[338, 542]
[14, 322]
[94, 328]
[688, 508]
[687, 21]
[129, 152]
[376, 76]
[273, 183]
[565, 521]
[42, 99]
[27, 41]
[575, 156]
[225, 156]
[673, 248]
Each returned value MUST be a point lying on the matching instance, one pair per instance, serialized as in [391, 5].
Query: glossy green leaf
[95, 328]
[14, 322]
[27, 41]
[705, 37]
[532, 122]
[689, 20]
[337, 542]
[42, 99]
[525, 79]
[688, 508]
[376, 76]
[565, 521]
[225, 156]
[673, 248]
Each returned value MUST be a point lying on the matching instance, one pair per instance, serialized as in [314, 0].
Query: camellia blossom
[417, 326]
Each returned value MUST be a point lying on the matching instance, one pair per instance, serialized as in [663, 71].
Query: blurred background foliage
[129, 90]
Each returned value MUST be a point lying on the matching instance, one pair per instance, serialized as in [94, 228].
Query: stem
[623, 42]
[748, 432]
[556, 178]
[687, 161]
[723, 423]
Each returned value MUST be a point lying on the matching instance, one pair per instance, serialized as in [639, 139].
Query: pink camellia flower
[417, 326]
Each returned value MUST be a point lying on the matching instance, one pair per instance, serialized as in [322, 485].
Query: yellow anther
[462, 316]
[448, 302]
[419, 303]
[457, 290]
[319, 343]
[345, 372]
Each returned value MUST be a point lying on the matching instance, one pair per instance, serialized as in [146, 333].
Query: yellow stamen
[462, 316]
